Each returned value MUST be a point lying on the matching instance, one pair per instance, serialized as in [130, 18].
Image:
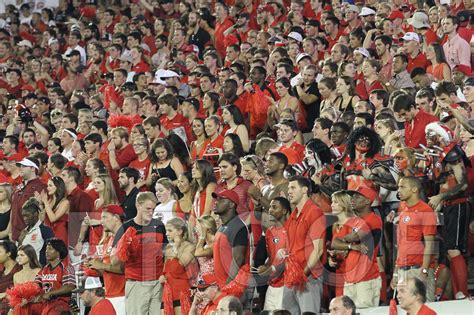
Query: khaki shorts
[364, 294]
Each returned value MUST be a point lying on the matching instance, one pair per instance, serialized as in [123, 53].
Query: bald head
[342, 305]
[230, 305]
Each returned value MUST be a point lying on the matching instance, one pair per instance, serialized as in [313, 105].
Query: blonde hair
[208, 222]
[344, 199]
[180, 225]
[9, 191]
[145, 196]
[168, 184]
[410, 153]
[109, 195]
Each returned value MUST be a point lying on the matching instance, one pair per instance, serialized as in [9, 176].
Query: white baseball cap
[366, 11]
[419, 20]
[301, 56]
[25, 43]
[363, 51]
[296, 36]
[28, 163]
[158, 75]
[169, 74]
[89, 284]
[411, 36]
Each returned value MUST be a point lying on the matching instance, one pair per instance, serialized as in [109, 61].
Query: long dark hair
[9, 247]
[236, 114]
[238, 149]
[31, 254]
[207, 173]
[374, 140]
[439, 53]
[180, 148]
[321, 149]
[60, 192]
[161, 143]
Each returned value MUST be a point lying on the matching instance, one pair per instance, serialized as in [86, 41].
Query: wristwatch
[424, 271]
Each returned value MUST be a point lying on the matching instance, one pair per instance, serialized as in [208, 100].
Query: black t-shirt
[232, 234]
[146, 251]
[129, 204]
[312, 109]
[200, 39]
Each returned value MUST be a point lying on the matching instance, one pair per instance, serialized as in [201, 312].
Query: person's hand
[46, 296]
[435, 201]
[162, 279]
[390, 216]
[78, 249]
[393, 283]
[366, 172]
[254, 192]
[95, 264]
[111, 146]
[332, 262]
[264, 270]
[300, 82]
[249, 87]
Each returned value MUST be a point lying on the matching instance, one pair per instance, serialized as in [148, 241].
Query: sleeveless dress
[199, 204]
[177, 277]
[166, 171]
[4, 220]
[59, 227]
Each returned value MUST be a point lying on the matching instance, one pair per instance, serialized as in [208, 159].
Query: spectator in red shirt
[331, 27]
[92, 294]
[370, 70]
[411, 47]
[171, 120]
[411, 294]
[276, 240]
[306, 229]
[416, 236]
[287, 131]
[121, 153]
[114, 280]
[222, 24]
[138, 65]
[415, 120]
[144, 264]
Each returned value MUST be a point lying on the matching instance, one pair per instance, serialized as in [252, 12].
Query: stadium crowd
[244, 156]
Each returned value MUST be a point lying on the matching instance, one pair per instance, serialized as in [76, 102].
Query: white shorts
[274, 298]
[118, 304]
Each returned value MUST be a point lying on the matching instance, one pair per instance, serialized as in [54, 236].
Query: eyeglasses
[363, 139]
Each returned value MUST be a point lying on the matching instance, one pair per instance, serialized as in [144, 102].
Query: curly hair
[374, 140]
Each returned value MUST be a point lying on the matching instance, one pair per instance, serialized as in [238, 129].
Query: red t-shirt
[141, 166]
[231, 234]
[302, 230]
[141, 67]
[114, 283]
[419, 61]
[425, 310]
[125, 155]
[276, 239]
[103, 307]
[297, 148]
[145, 262]
[415, 223]
[178, 121]
[219, 35]
[415, 130]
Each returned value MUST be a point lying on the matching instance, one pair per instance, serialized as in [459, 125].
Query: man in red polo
[170, 119]
[416, 234]
[286, 132]
[415, 120]
[411, 47]
[306, 228]
[362, 281]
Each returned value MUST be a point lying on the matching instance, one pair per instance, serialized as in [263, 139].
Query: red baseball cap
[227, 194]
[17, 157]
[464, 69]
[114, 209]
[368, 193]
[397, 14]
[206, 281]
